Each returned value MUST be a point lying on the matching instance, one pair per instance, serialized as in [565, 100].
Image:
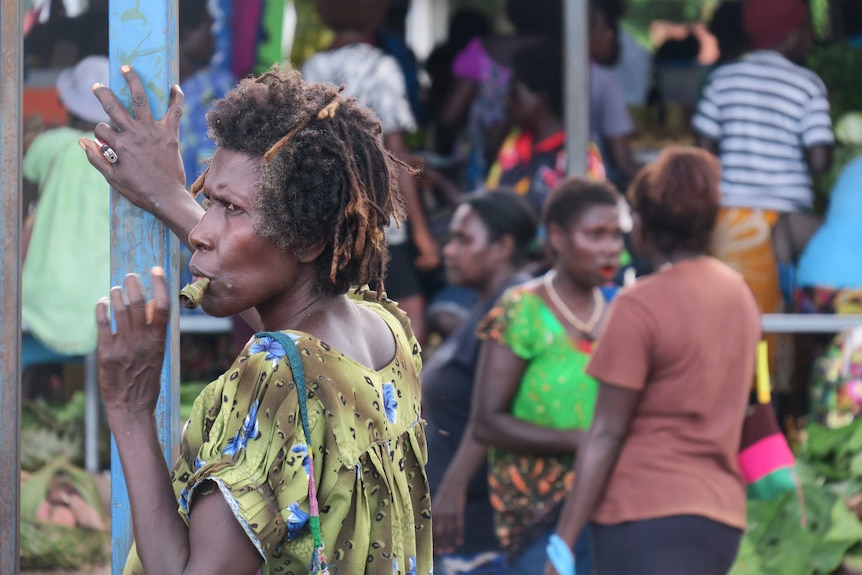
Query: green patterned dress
[367, 440]
[527, 491]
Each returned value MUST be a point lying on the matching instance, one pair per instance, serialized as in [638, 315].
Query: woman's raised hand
[130, 359]
[148, 169]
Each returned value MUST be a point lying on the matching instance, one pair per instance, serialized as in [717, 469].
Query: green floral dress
[367, 443]
[527, 491]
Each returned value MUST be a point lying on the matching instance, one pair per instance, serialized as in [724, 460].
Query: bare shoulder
[360, 333]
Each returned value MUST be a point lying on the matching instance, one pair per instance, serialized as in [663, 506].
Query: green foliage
[311, 35]
[820, 18]
[829, 467]
[830, 452]
[778, 543]
[52, 431]
[47, 546]
[838, 65]
[640, 14]
[189, 391]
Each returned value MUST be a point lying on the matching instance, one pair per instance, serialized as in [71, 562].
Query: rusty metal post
[11, 86]
[143, 34]
[577, 85]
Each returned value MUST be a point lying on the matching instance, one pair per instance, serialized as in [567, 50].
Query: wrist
[165, 203]
[125, 418]
[455, 482]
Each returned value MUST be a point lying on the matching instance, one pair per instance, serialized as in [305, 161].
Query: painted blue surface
[143, 34]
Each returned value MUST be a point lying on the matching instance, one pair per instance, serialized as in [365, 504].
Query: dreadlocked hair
[326, 178]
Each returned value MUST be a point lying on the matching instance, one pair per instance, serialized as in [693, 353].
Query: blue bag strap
[319, 564]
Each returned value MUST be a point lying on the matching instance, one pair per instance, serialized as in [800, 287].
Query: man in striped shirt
[767, 119]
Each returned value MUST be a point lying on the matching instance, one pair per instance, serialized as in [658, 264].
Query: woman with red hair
[657, 475]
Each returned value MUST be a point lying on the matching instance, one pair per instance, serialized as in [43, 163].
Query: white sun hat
[75, 87]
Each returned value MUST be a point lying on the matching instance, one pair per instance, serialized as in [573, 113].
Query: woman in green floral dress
[272, 476]
[532, 401]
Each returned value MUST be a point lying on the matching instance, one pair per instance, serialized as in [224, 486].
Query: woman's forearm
[181, 213]
[161, 536]
[505, 431]
[592, 470]
[467, 461]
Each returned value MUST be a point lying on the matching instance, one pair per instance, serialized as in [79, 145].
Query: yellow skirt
[743, 240]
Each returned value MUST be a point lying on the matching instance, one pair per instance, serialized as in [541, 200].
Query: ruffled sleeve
[514, 321]
[253, 448]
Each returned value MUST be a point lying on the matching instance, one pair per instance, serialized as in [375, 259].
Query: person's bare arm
[457, 105]
[429, 251]
[621, 156]
[450, 501]
[130, 362]
[819, 158]
[449, 189]
[498, 377]
[615, 407]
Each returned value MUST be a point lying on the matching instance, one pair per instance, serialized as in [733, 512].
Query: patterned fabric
[743, 240]
[528, 491]
[369, 75]
[486, 110]
[533, 169]
[200, 90]
[765, 111]
[836, 379]
[367, 441]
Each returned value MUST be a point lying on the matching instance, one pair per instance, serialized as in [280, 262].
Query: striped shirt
[765, 111]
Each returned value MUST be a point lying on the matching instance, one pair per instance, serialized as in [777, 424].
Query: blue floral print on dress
[184, 499]
[296, 521]
[249, 430]
[199, 462]
[390, 404]
[274, 350]
[302, 449]
[411, 570]
[394, 565]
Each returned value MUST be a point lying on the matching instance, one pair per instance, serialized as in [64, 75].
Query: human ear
[310, 253]
[556, 237]
[505, 246]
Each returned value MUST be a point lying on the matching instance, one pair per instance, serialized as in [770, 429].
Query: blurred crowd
[504, 265]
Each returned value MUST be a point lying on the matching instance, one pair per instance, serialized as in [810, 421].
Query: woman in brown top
[658, 475]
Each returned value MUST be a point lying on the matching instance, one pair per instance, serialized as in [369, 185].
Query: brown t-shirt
[685, 337]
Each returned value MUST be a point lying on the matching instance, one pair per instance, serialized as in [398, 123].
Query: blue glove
[561, 556]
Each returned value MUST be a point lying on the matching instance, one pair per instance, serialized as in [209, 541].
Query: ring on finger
[107, 151]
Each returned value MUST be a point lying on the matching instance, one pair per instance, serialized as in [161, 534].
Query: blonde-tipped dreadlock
[198, 185]
[326, 178]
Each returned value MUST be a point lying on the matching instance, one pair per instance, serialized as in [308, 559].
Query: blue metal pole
[11, 65]
[143, 34]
